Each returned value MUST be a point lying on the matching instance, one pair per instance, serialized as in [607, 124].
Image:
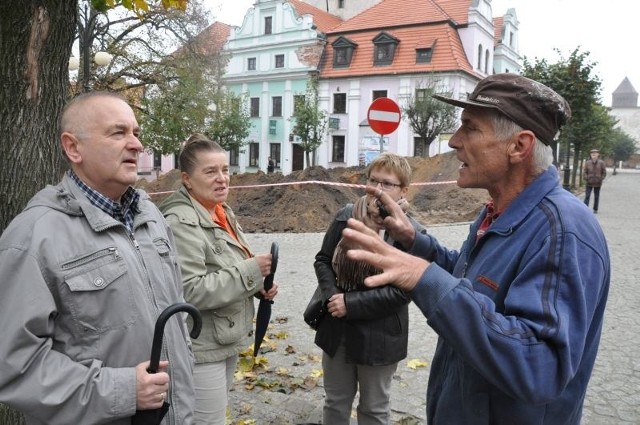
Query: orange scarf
[219, 217]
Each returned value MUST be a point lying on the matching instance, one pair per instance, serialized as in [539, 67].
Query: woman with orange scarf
[220, 273]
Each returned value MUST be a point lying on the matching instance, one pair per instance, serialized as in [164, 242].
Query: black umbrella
[264, 308]
[154, 416]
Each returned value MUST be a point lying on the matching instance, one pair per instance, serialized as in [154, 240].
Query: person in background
[271, 166]
[519, 308]
[220, 273]
[365, 333]
[85, 271]
[594, 172]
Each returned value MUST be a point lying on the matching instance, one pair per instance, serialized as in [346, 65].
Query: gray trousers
[342, 380]
[213, 382]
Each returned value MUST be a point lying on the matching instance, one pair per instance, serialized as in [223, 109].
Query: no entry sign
[383, 115]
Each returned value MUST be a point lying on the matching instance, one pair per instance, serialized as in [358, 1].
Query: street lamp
[87, 30]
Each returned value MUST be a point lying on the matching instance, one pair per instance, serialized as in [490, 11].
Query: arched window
[479, 56]
[486, 61]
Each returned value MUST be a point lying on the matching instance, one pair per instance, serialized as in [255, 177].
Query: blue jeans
[596, 196]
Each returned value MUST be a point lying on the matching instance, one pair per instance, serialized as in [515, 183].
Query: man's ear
[70, 146]
[521, 146]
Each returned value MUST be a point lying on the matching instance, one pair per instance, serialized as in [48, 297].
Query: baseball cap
[528, 103]
[595, 150]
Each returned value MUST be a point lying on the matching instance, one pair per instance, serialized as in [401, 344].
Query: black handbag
[316, 309]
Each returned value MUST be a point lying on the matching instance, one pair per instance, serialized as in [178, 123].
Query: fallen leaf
[282, 371]
[416, 363]
[314, 357]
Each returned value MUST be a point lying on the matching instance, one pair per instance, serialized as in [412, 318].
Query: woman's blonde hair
[395, 163]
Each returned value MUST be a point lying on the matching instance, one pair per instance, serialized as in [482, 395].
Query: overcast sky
[609, 31]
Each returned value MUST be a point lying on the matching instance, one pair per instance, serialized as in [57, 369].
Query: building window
[486, 61]
[251, 64]
[479, 56]
[342, 52]
[422, 94]
[337, 150]
[383, 53]
[298, 101]
[342, 56]
[267, 24]
[233, 155]
[339, 103]
[274, 153]
[157, 160]
[276, 106]
[255, 107]
[340, 4]
[378, 93]
[254, 154]
[423, 55]
[511, 38]
[279, 61]
[384, 49]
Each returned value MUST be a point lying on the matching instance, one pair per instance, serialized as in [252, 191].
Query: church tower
[625, 96]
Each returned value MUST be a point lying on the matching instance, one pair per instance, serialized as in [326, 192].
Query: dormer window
[342, 52]
[424, 55]
[384, 49]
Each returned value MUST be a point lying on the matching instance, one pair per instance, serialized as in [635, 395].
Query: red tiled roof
[323, 20]
[499, 24]
[393, 13]
[448, 53]
[212, 39]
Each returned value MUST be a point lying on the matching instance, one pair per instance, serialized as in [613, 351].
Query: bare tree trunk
[35, 44]
[576, 164]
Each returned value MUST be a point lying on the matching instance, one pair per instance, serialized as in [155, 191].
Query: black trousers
[596, 196]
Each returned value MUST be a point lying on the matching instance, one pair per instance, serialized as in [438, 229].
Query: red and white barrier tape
[357, 186]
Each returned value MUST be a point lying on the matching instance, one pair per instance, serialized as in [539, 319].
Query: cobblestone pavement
[614, 391]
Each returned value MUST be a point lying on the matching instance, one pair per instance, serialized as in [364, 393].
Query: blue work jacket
[518, 312]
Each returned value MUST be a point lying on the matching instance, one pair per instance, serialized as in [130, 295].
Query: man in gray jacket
[85, 270]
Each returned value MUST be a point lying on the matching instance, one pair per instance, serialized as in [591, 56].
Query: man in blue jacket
[519, 308]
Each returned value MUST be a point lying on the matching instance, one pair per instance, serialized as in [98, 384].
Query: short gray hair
[504, 128]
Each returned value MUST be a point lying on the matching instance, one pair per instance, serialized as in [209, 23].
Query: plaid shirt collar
[124, 211]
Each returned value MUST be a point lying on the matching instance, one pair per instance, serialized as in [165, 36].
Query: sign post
[384, 117]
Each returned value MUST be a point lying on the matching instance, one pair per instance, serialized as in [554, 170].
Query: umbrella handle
[156, 347]
[268, 280]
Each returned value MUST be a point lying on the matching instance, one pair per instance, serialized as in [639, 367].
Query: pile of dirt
[289, 204]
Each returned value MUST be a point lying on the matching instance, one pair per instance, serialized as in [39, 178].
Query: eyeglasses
[383, 184]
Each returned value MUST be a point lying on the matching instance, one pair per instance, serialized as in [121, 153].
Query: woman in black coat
[365, 331]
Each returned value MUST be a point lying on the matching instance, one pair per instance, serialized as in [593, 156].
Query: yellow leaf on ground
[282, 335]
[416, 363]
[282, 371]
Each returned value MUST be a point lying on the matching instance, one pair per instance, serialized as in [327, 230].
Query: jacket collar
[76, 203]
[525, 202]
